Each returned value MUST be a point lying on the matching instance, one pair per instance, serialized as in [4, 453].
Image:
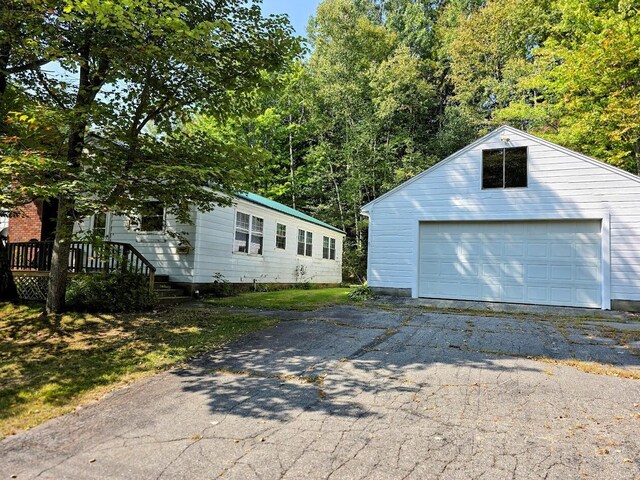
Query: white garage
[510, 218]
[539, 262]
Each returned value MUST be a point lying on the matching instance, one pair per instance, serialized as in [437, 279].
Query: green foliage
[221, 286]
[361, 292]
[112, 292]
[585, 93]
[116, 127]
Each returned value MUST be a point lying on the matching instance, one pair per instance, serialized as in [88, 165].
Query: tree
[492, 51]
[135, 65]
[585, 92]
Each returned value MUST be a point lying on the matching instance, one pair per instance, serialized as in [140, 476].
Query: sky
[299, 11]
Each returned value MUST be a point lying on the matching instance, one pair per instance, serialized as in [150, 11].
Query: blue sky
[299, 11]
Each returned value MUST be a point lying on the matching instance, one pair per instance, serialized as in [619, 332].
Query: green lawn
[290, 299]
[48, 368]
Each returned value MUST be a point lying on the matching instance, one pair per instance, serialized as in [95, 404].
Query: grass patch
[50, 366]
[291, 299]
[592, 367]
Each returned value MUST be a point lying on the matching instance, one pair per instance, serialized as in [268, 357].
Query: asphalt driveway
[388, 392]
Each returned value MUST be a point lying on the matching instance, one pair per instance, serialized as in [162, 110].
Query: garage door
[542, 262]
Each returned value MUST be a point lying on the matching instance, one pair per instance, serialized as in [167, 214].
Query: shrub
[221, 286]
[110, 292]
[361, 292]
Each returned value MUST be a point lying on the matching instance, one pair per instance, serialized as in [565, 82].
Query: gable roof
[279, 207]
[501, 129]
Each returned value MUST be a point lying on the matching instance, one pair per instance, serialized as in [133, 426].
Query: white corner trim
[605, 234]
[416, 261]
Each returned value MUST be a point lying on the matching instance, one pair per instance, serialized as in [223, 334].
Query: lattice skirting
[32, 287]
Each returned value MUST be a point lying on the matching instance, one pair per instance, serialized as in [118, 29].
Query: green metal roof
[279, 207]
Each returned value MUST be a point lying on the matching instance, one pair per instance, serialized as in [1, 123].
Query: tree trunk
[8, 290]
[292, 165]
[60, 256]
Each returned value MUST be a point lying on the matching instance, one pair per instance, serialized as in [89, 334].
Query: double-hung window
[249, 234]
[257, 230]
[504, 168]
[281, 236]
[329, 248]
[305, 243]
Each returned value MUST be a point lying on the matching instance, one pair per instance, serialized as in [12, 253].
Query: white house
[511, 218]
[256, 240]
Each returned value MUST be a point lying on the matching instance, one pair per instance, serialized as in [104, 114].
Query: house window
[249, 234]
[504, 168]
[257, 228]
[153, 218]
[100, 225]
[281, 236]
[241, 243]
[305, 243]
[329, 248]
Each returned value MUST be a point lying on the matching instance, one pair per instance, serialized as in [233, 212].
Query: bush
[110, 292]
[221, 286]
[361, 292]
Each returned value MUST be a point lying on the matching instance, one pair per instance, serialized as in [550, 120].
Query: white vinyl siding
[275, 265]
[561, 186]
[212, 238]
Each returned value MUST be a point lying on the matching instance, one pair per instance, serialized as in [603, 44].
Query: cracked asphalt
[348, 393]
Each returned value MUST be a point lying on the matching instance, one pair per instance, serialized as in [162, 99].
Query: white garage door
[541, 262]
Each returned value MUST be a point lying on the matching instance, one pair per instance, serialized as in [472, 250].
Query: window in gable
[504, 168]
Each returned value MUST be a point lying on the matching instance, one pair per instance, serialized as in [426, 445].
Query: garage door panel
[550, 262]
[562, 272]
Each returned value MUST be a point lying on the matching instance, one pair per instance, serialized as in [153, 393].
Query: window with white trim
[249, 234]
[281, 236]
[257, 230]
[504, 168]
[329, 248]
[305, 243]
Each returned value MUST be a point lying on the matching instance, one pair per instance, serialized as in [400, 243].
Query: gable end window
[305, 243]
[504, 168]
[281, 236]
[329, 248]
[249, 234]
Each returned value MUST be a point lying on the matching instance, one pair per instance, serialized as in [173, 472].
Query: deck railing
[83, 258]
